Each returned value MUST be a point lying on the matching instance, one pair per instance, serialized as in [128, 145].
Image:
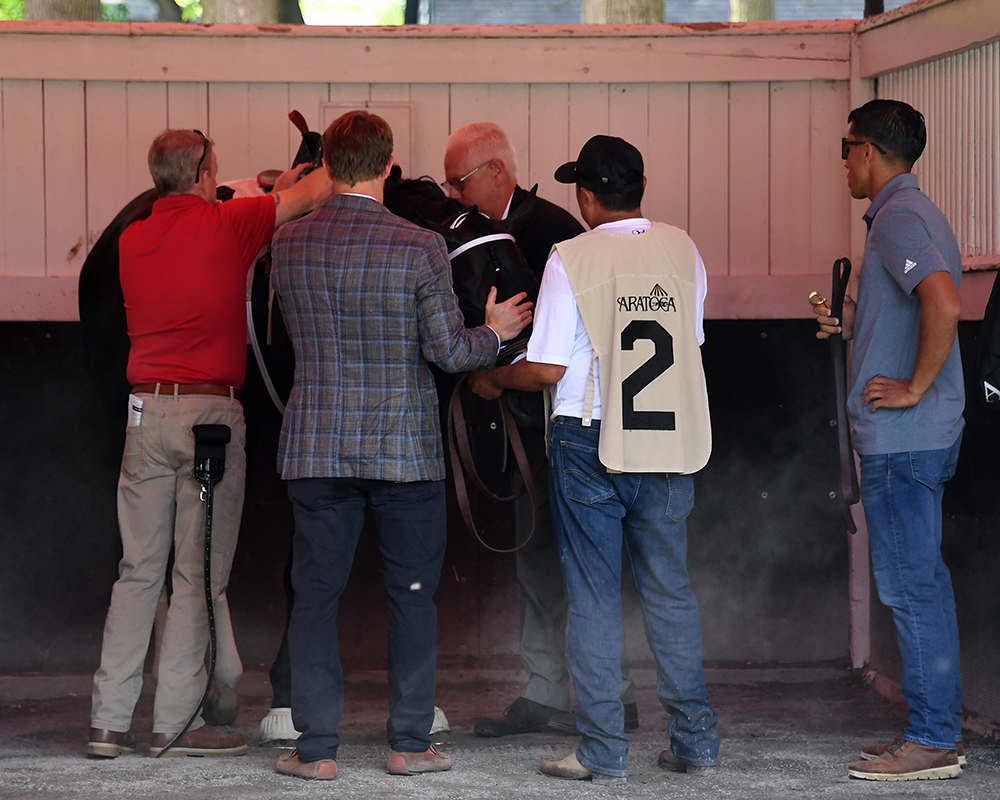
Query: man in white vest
[616, 340]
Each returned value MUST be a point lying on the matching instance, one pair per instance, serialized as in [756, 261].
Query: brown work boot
[105, 743]
[908, 761]
[571, 769]
[873, 751]
[401, 763]
[205, 741]
[325, 769]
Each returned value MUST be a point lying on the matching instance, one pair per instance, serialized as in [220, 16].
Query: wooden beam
[930, 29]
[426, 54]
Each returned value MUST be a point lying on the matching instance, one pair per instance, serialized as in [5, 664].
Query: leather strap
[848, 475]
[462, 463]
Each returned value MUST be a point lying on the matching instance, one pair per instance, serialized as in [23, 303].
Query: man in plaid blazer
[368, 302]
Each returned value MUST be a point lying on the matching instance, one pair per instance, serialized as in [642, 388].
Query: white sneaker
[439, 728]
[277, 726]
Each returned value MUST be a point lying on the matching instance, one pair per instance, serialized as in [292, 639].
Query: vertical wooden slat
[749, 164]
[665, 158]
[549, 142]
[430, 128]
[828, 208]
[469, 103]
[588, 116]
[107, 144]
[187, 106]
[229, 127]
[790, 190]
[628, 114]
[23, 168]
[146, 112]
[398, 112]
[268, 127]
[65, 178]
[709, 171]
[508, 108]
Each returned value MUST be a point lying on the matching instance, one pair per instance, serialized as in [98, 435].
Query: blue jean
[902, 495]
[329, 515]
[594, 511]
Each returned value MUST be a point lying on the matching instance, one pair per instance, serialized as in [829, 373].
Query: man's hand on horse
[483, 385]
[289, 178]
[510, 317]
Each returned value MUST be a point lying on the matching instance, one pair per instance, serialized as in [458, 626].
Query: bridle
[464, 248]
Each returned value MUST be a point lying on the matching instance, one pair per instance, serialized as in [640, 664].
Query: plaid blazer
[368, 302]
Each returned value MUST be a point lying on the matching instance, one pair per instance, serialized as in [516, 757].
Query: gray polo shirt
[908, 239]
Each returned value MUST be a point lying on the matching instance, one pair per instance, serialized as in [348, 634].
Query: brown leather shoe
[323, 770]
[908, 761]
[109, 744]
[205, 741]
[872, 751]
[430, 760]
[672, 763]
[571, 769]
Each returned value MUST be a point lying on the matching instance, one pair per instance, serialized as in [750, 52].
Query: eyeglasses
[204, 152]
[845, 147]
[458, 184]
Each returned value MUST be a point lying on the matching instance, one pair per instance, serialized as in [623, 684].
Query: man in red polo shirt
[183, 276]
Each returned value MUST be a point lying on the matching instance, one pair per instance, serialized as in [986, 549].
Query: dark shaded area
[971, 547]
[768, 556]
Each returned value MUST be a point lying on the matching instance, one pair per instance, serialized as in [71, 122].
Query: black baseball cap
[605, 164]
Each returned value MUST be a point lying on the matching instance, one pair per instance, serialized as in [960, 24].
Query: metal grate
[959, 96]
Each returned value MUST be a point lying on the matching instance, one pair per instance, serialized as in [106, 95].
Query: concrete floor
[785, 736]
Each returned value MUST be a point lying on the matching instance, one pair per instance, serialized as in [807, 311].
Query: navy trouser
[329, 515]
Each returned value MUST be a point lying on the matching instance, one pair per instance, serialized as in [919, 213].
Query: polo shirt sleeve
[905, 249]
[251, 220]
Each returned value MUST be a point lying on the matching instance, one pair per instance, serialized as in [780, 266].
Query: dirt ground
[780, 740]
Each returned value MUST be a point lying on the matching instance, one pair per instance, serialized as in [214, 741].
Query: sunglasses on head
[204, 152]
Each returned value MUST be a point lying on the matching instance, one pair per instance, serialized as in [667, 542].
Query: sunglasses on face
[845, 146]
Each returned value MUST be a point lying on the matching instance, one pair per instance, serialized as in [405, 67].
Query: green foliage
[11, 9]
[348, 12]
[114, 12]
[191, 10]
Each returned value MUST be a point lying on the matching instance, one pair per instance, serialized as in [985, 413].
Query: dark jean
[902, 495]
[329, 515]
[593, 512]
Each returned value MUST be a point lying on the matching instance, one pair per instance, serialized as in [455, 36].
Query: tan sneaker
[430, 760]
[908, 761]
[873, 751]
[325, 769]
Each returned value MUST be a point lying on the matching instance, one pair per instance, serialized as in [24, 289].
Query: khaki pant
[159, 508]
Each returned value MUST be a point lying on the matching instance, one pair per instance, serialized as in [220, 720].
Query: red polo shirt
[183, 275]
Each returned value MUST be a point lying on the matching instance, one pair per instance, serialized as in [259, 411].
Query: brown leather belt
[166, 389]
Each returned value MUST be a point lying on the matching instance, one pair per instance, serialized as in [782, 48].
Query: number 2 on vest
[661, 360]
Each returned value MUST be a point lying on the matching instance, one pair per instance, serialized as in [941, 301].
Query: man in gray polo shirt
[905, 403]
